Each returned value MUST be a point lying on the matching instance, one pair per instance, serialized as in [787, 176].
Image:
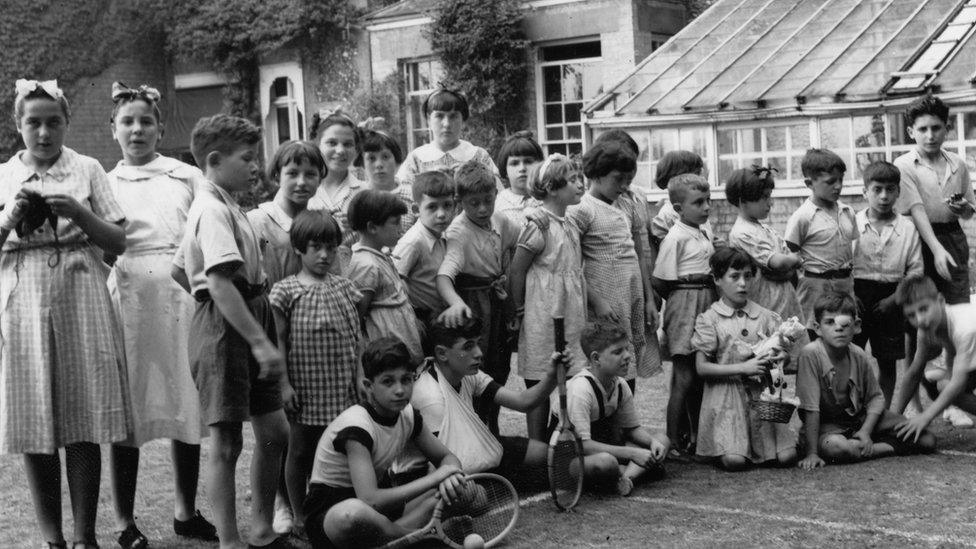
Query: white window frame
[540, 100]
[295, 101]
[406, 66]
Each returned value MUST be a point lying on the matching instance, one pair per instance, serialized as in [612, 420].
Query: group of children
[365, 328]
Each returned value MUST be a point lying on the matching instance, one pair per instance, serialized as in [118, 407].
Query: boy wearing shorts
[233, 357]
[841, 404]
[887, 250]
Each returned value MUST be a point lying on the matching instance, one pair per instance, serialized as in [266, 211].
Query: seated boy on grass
[601, 406]
[940, 327]
[841, 403]
[444, 395]
[349, 503]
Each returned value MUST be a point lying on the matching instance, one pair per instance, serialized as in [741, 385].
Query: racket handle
[559, 333]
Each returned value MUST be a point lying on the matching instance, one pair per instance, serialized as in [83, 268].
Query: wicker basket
[771, 410]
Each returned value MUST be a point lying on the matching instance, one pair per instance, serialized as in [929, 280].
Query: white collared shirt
[888, 255]
[823, 236]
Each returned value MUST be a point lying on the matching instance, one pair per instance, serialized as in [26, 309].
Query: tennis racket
[489, 508]
[565, 459]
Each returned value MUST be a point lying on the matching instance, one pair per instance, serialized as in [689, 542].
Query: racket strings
[565, 472]
[489, 506]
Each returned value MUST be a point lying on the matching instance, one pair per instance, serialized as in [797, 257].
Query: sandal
[132, 538]
[195, 527]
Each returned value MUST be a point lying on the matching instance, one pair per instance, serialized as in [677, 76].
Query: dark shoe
[279, 542]
[132, 538]
[196, 527]
[57, 545]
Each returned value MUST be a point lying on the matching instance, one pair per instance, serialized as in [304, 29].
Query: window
[286, 120]
[567, 75]
[420, 78]
[654, 143]
[780, 147]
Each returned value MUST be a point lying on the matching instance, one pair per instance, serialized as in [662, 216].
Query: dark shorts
[514, 450]
[224, 369]
[953, 239]
[883, 432]
[885, 331]
[319, 499]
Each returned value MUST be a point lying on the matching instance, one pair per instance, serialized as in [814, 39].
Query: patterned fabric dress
[272, 224]
[62, 365]
[324, 341]
[611, 270]
[390, 313]
[337, 204]
[156, 312]
[555, 276]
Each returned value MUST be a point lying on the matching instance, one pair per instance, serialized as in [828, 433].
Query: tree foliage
[485, 55]
[232, 37]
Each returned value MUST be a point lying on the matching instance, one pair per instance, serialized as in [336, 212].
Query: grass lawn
[895, 502]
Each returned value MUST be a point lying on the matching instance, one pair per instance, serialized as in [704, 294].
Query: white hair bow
[50, 87]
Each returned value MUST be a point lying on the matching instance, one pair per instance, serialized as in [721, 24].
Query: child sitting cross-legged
[349, 502]
[728, 428]
[601, 407]
[445, 392]
[843, 408]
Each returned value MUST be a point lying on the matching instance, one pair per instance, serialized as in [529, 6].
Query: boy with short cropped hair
[887, 249]
[445, 394]
[601, 406]
[350, 502]
[472, 279]
[821, 231]
[940, 327]
[841, 404]
[233, 356]
[936, 192]
[419, 253]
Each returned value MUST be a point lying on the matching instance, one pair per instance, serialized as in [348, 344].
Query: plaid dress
[323, 344]
[611, 270]
[62, 365]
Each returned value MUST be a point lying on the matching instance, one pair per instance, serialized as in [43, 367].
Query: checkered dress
[323, 347]
[62, 365]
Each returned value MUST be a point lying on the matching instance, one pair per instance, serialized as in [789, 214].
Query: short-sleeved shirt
[726, 335]
[218, 233]
[584, 408]
[758, 239]
[73, 174]
[815, 385]
[272, 224]
[429, 157]
[920, 184]
[961, 329]
[428, 401]
[477, 251]
[685, 251]
[823, 236]
[889, 255]
[384, 437]
[418, 256]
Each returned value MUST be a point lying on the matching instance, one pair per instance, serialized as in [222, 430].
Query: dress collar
[59, 170]
[161, 165]
[430, 152]
[751, 309]
[276, 214]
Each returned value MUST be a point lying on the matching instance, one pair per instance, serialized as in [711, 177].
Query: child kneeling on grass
[729, 429]
[841, 403]
[601, 407]
[349, 502]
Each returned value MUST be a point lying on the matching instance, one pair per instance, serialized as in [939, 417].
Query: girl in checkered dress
[62, 367]
[318, 326]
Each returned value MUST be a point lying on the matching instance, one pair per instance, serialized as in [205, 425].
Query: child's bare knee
[786, 457]
[733, 462]
[346, 517]
[603, 465]
[227, 446]
[926, 442]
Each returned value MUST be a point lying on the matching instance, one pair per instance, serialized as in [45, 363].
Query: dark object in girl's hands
[957, 197]
[38, 212]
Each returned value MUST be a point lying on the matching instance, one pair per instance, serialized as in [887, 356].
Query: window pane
[284, 128]
[869, 131]
[725, 168]
[554, 114]
[642, 137]
[280, 87]
[574, 132]
[969, 125]
[776, 138]
[571, 51]
[553, 149]
[662, 141]
[796, 172]
[778, 163]
[750, 140]
[573, 112]
[694, 140]
[552, 89]
[864, 159]
[800, 137]
[572, 83]
[835, 133]
[575, 148]
[971, 159]
[301, 125]
[417, 112]
[726, 141]
[554, 134]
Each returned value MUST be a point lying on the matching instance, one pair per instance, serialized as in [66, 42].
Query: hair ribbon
[122, 92]
[50, 87]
